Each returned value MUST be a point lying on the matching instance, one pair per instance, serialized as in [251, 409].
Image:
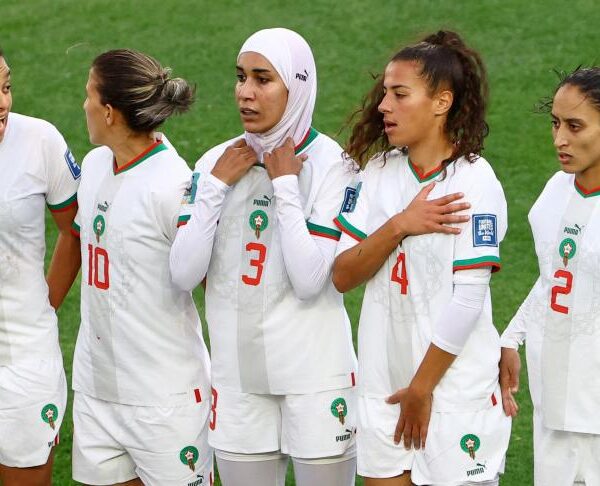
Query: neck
[589, 179]
[428, 154]
[128, 147]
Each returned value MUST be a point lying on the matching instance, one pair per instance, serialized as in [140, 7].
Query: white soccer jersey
[140, 340]
[406, 297]
[263, 338]
[561, 316]
[37, 168]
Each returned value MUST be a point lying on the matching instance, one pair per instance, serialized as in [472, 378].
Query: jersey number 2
[399, 273]
[255, 262]
[558, 289]
[98, 267]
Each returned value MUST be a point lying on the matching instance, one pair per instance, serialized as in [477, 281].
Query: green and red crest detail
[49, 414]
[189, 456]
[99, 226]
[470, 443]
[339, 409]
[258, 221]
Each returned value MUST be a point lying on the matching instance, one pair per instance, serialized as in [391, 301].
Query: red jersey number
[255, 262]
[561, 289]
[399, 273]
[98, 267]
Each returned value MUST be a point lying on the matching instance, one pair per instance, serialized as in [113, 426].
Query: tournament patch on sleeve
[350, 198]
[485, 230]
[72, 164]
[189, 197]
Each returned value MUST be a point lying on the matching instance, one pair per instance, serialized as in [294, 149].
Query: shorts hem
[105, 482]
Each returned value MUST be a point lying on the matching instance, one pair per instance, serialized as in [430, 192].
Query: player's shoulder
[475, 166]
[560, 181]
[382, 164]
[33, 128]
[207, 161]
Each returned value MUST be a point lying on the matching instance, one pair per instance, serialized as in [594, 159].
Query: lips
[248, 112]
[564, 157]
[388, 126]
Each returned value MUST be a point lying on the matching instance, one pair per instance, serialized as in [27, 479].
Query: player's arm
[192, 248]
[359, 263]
[66, 259]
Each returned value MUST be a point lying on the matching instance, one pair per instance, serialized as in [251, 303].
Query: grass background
[50, 44]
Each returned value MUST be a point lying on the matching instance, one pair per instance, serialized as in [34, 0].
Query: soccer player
[283, 364]
[560, 318]
[426, 338]
[141, 369]
[37, 168]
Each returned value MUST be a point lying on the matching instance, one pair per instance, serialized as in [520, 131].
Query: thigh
[244, 469]
[169, 445]
[319, 425]
[31, 476]
[99, 458]
[463, 447]
[403, 480]
[245, 423]
[34, 397]
[378, 456]
[556, 456]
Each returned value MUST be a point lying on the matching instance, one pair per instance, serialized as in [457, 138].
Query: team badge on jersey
[72, 164]
[339, 409]
[470, 443]
[485, 230]
[50, 414]
[567, 249]
[258, 222]
[350, 198]
[99, 227]
[189, 456]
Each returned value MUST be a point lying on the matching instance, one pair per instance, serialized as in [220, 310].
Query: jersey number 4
[257, 262]
[561, 289]
[399, 273]
[98, 267]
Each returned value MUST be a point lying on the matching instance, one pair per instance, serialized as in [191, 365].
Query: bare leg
[402, 480]
[31, 476]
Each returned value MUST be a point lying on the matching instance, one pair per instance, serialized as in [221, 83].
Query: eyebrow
[396, 86]
[255, 70]
[569, 120]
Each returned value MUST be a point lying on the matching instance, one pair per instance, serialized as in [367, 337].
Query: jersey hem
[323, 231]
[343, 224]
[63, 206]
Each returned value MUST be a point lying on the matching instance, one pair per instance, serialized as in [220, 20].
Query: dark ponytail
[446, 63]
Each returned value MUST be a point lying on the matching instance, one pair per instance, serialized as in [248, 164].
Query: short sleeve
[478, 245]
[352, 220]
[76, 225]
[335, 193]
[62, 172]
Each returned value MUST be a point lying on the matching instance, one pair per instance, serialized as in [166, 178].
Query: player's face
[576, 132]
[95, 111]
[5, 96]
[260, 93]
[408, 108]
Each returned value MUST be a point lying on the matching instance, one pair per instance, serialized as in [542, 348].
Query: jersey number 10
[98, 267]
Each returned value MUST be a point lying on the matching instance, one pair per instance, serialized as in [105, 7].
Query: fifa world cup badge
[258, 222]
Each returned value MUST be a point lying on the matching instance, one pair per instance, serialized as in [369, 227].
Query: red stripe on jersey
[345, 230]
[74, 232]
[210, 479]
[63, 208]
[197, 395]
[181, 223]
[353, 379]
[324, 235]
[494, 401]
[56, 440]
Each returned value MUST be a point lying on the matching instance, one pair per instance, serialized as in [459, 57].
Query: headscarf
[293, 60]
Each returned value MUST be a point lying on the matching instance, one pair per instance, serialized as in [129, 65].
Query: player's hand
[422, 216]
[510, 366]
[415, 412]
[234, 163]
[283, 160]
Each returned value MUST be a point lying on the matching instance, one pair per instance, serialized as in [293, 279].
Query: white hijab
[293, 60]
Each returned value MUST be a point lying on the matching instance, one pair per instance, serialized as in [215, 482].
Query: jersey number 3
[561, 289]
[255, 262]
[98, 267]
[399, 273]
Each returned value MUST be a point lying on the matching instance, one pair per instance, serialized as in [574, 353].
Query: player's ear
[109, 114]
[443, 101]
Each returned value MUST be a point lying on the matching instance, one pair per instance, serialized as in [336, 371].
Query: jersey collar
[310, 136]
[427, 176]
[584, 192]
[156, 147]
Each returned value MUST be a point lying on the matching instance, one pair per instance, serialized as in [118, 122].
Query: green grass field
[50, 44]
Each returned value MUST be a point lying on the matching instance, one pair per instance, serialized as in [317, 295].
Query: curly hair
[445, 62]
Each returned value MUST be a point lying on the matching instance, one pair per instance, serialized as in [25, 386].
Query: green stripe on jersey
[343, 224]
[75, 227]
[63, 205]
[156, 147]
[310, 137]
[484, 261]
[318, 230]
